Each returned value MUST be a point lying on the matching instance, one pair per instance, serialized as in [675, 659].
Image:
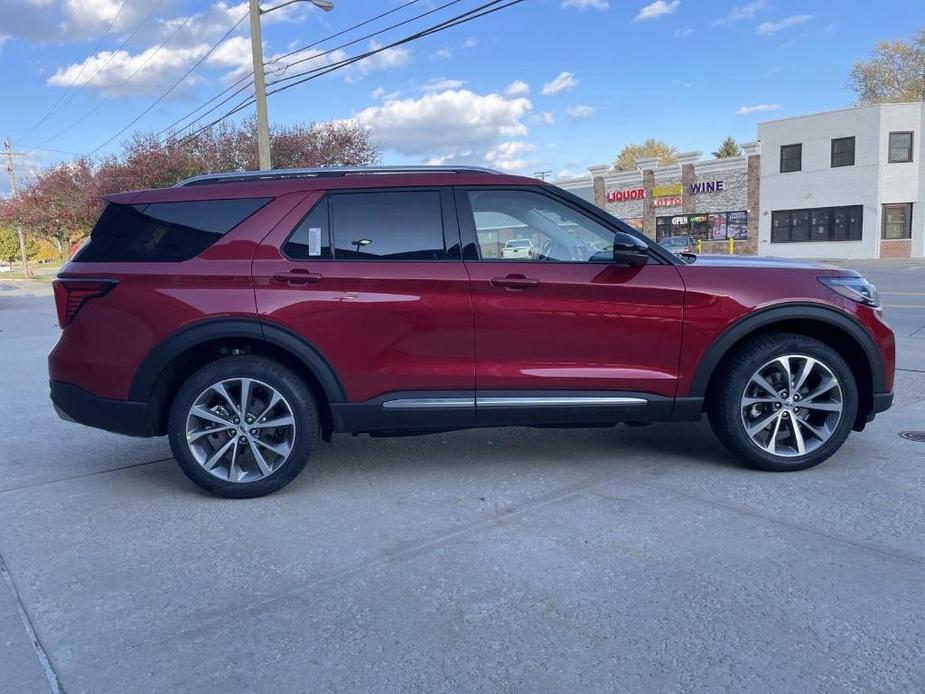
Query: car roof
[276, 183]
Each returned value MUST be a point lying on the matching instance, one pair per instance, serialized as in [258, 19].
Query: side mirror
[628, 250]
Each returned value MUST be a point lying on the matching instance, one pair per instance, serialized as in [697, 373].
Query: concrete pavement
[510, 560]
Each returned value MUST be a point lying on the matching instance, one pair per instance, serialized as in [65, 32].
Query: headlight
[854, 288]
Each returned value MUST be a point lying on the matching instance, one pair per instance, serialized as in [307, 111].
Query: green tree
[626, 159]
[9, 245]
[729, 148]
[896, 73]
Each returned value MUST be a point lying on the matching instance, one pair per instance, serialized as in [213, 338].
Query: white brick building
[844, 184]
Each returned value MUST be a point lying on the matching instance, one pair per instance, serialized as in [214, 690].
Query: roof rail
[282, 174]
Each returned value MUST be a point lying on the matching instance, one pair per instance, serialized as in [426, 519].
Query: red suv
[247, 315]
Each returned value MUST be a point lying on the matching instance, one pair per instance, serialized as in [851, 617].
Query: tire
[260, 456]
[805, 427]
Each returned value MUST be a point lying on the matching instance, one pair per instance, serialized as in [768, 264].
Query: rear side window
[311, 238]
[397, 225]
[164, 231]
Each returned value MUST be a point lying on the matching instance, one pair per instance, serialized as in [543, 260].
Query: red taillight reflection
[72, 294]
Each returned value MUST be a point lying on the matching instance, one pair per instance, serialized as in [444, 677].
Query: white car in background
[5, 266]
[518, 249]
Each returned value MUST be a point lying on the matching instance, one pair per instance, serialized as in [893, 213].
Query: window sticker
[314, 241]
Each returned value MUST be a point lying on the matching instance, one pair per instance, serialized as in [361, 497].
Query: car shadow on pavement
[494, 454]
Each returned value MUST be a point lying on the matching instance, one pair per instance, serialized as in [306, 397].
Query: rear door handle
[298, 277]
[515, 282]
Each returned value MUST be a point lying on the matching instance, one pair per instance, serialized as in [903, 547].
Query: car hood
[745, 261]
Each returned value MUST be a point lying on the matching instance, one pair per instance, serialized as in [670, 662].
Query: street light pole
[260, 80]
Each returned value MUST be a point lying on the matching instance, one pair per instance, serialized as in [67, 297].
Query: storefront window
[709, 226]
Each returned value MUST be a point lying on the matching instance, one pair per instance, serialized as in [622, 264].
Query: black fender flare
[773, 314]
[153, 365]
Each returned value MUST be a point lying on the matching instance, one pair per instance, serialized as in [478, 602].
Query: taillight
[72, 293]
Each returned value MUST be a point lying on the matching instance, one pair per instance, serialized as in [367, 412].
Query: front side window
[819, 224]
[897, 221]
[900, 147]
[843, 151]
[526, 226]
[791, 158]
[387, 225]
[164, 231]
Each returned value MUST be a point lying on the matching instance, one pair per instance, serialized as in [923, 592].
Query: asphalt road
[516, 560]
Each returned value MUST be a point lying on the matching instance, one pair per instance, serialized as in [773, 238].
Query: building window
[897, 221]
[900, 147]
[791, 158]
[843, 151]
[819, 224]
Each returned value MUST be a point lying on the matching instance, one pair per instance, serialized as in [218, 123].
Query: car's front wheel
[243, 426]
[784, 402]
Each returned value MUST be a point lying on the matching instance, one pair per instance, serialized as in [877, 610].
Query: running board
[446, 410]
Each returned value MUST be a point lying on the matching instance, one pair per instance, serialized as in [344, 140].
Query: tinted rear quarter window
[398, 225]
[164, 231]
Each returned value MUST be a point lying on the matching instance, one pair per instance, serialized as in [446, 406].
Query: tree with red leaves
[61, 203]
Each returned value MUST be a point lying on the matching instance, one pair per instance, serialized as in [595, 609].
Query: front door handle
[515, 282]
[297, 277]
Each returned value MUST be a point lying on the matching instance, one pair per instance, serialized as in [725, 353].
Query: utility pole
[260, 89]
[27, 271]
[541, 174]
[260, 80]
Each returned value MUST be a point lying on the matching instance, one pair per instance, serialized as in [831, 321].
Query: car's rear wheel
[243, 426]
[784, 402]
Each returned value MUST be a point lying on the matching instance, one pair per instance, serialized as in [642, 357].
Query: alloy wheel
[240, 430]
[791, 405]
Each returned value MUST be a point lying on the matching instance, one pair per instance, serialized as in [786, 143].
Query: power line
[141, 67]
[286, 55]
[337, 64]
[362, 38]
[112, 55]
[174, 85]
[77, 76]
[476, 13]
[462, 18]
[341, 33]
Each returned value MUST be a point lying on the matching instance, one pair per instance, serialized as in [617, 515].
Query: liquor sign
[708, 187]
[624, 195]
[673, 201]
[668, 190]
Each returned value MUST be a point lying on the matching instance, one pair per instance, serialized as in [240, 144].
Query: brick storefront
[713, 200]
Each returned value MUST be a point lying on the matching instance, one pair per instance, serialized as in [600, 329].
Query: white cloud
[768, 28]
[149, 69]
[451, 125]
[446, 52]
[544, 117]
[580, 111]
[564, 82]
[741, 12]
[657, 9]
[509, 156]
[757, 108]
[439, 84]
[517, 88]
[683, 33]
[585, 4]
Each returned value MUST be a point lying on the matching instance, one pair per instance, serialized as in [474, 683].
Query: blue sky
[545, 85]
